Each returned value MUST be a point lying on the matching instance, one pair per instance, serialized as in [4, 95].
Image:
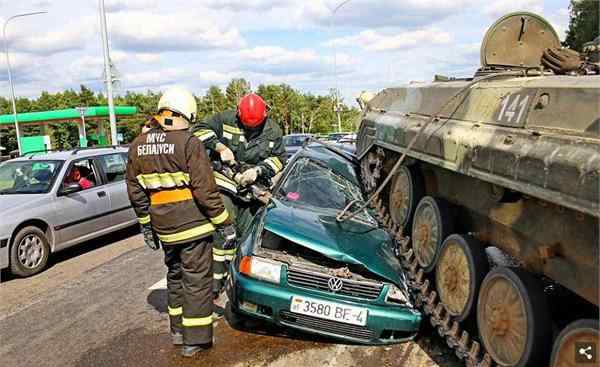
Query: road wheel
[460, 270]
[432, 223]
[29, 252]
[371, 167]
[406, 191]
[514, 319]
[578, 334]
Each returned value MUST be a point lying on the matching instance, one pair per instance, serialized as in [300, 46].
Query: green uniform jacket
[262, 147]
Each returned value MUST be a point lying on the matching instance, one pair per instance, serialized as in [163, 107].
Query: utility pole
[337, 99]
[10, 81]
[108, 76]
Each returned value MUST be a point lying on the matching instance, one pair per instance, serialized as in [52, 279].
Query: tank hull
[523, 177]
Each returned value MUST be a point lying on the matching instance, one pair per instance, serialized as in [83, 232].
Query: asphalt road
[94, 306]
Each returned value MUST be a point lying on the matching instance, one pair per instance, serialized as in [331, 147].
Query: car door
[113, 168]
[82, 214]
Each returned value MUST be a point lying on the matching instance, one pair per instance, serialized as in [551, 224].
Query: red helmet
[252, 110]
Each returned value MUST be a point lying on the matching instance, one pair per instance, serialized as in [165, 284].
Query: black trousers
[242, 214]
[189, 284]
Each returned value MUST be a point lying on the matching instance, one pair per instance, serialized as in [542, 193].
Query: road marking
[161, 284]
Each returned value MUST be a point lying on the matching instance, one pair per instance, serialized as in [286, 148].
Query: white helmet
[179, 101]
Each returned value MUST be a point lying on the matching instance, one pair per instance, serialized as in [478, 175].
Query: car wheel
[234, 318]
[29, 252]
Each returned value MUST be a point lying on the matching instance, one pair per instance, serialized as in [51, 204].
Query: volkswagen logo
[335, 284]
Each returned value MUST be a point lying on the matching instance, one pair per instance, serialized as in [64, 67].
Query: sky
[368, 44]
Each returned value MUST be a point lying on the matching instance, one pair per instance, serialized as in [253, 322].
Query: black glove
[150, 238]
[230, 237]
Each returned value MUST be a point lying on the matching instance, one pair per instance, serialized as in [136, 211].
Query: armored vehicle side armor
[498, 192]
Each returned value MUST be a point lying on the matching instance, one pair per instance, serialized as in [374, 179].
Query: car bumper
[3, 253]
[271, 302]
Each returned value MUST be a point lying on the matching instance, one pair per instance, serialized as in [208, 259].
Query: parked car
[300, 268]
[335, 137]
[348, 139]
[293, 143]
[53, 201]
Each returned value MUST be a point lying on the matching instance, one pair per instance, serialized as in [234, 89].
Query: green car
[299, 267]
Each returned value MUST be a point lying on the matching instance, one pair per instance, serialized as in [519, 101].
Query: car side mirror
[70, 189]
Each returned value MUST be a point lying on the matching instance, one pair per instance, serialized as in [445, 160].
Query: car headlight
[396, 295]
[263, 269]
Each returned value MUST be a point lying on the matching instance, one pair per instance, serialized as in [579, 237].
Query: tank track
[426, 299]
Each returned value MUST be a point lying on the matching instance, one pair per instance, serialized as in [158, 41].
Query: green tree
[236, 89]
[583, 24]
[213, 102]
[294, 110]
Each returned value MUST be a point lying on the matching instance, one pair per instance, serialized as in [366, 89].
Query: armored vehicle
[491, 186]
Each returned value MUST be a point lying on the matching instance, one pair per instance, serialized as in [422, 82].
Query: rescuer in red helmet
[249, 138]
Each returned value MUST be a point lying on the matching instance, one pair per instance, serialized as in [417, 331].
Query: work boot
[177, 338]
[191, 350]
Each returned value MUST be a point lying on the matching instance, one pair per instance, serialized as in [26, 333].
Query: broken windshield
[315, 185]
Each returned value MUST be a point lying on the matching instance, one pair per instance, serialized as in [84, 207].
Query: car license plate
[329, 311]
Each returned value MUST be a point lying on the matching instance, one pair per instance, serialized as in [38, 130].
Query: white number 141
[513, 106]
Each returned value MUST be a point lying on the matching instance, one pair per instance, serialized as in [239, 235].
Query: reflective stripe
[218, 276]
[274, 163]
[232, 129]
[217, 251]
[197, 321]
[223, 255]
[220, 218]
[219, 258]
[175, 311]
[227, 135]
[144, 219]
[169, 180]
[171, 196]
[271, 144]
[204, 135]
[224, 182]
[188, 234]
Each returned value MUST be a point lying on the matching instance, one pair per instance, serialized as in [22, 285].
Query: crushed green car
[300, 268]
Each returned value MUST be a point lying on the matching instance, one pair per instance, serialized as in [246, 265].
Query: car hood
[350, 242]
[14, 203]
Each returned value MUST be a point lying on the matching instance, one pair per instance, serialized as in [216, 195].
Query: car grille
[326, 326]
[308, 279]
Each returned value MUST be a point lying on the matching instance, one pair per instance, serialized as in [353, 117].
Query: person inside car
[75, 176]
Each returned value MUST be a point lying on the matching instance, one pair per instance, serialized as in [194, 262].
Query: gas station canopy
[79, 116]
[89, 113]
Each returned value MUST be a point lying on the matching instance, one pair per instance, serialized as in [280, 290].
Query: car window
[114, 165]
[294, 141]
[83, 173]
[312, 184]
[28, 177]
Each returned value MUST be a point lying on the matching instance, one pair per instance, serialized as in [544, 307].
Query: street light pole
[108, 76]
[337, 99]
[10, 81]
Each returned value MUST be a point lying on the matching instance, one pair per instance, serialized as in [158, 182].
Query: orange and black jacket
[171, 185]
